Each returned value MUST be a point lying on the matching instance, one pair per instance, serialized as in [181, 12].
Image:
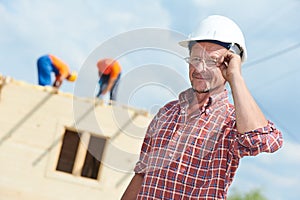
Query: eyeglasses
[196, 61]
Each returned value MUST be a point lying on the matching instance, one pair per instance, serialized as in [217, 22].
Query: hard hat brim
[185, 43]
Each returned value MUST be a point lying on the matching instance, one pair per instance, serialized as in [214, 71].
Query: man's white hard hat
[218, 28]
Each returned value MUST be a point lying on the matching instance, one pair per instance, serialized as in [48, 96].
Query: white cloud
[276, 174]
[68, 29]
[290, 154]
[205, 2]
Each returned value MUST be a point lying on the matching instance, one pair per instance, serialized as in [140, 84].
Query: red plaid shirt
[196, 157]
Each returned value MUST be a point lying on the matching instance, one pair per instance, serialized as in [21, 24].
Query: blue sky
[78, 31]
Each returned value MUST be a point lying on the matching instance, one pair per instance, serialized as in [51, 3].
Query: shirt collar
[188, 95]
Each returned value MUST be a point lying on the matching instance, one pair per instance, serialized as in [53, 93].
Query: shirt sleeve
[142, 164]
[147, 149]
[266, 139]
[115, 70]
[62, 67]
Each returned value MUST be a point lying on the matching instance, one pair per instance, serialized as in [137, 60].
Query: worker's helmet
[72, 77]
[221, 29]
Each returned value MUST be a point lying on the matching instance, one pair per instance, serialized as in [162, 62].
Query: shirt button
[170, 155]
[182, 111]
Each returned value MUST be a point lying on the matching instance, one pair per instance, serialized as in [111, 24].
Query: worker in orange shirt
[49, 64]
[109, 75]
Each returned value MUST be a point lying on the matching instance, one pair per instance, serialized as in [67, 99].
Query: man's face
[204, 75]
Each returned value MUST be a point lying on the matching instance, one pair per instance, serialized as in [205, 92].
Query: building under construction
[54, 145]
